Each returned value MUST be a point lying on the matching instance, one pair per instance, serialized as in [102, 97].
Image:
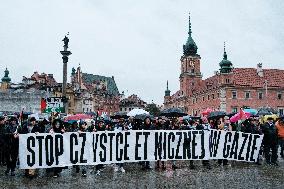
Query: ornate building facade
[228, 90]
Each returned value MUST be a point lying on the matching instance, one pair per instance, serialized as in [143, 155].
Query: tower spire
[167, 91]
[225, 53]
[189, 25]
[167, 85]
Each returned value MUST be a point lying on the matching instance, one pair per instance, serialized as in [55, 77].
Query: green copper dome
[226, 65]
[6, 77]
[190, 47]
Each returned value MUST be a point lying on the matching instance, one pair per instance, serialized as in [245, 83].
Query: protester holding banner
[120, 127]
[225, 126]
[160, 125]
[270, 142]
[206, 127]
[83, 128]
[147, 126]
[99, 127]
[31, 127]
[57, 127]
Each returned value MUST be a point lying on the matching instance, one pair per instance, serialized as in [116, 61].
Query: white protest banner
[233, 145]
[58, 150]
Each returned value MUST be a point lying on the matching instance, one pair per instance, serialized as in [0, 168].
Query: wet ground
[236, 175]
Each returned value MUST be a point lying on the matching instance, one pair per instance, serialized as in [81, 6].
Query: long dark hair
[55, 129]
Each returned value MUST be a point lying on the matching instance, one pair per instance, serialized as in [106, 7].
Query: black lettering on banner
[248, 147]
[171, 151]
[73, 154]
[202, 145]
[49, 150]
[245, 135]
[95, 146]
[137, 145]
[214, 142]
[253, 148]
[178, 145]
[165, 145]
[234, 149]
[194, 144]
[30, 145]
[119, 152]
[146, 134]
[126, 145]
[226, 150]
[103, 139]
[186, 145]
[82, 160]
[158, 145]
[58, 147]
[111, 135]
[40, 139]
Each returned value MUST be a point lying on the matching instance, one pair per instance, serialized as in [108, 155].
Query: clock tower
[190, 66]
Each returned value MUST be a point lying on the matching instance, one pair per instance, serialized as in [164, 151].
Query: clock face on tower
[191, 63]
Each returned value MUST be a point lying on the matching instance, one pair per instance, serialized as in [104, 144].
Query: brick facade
[227, 90]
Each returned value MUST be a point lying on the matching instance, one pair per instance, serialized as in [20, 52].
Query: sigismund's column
[65, 53]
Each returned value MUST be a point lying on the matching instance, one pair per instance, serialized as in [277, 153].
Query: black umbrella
[216, 115]
[119, 115]
[143, 116]
[173, 112]
[266, 111]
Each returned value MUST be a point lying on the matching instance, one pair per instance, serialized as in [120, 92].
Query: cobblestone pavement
[236, 175]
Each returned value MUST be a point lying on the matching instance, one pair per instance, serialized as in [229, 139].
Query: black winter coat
[270, 134]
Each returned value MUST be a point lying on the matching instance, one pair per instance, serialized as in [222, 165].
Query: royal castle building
[228, 90]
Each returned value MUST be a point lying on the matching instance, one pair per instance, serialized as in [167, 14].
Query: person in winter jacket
[120, 127]
[11, 145]
[57, 127]
[147, 126]
[270, 141]
[31, 127]
[280, 134]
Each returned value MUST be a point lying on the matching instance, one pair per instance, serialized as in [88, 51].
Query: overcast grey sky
[138, 42]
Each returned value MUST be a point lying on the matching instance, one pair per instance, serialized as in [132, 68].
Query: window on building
[83, 109]
[192, 70]
[203, 98]
[260, 95]
[281, 111]
[227, 80]
[234, 94]
[234, 109]
[213, 96]
[129, 109]
[279, 96]
[247, 95]
[208, 97]
[125, 109]
[218, 95]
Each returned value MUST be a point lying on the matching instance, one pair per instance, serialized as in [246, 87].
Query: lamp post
[65, 53]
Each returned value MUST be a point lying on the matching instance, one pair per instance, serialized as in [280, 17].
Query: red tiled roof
[249, 77]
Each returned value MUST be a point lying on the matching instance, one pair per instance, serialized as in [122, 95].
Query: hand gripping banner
[57, 150]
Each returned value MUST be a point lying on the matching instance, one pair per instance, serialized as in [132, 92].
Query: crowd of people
[10, 128]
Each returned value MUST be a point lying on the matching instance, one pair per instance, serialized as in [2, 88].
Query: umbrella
[190, 117]
[137, 111]
[251, 111]
[77, 117]
[173, 112]
[206, 112]
[143, 116]
[240, 116]
[119, 115]
[216, 115]
[266, 111]
[274, 117]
